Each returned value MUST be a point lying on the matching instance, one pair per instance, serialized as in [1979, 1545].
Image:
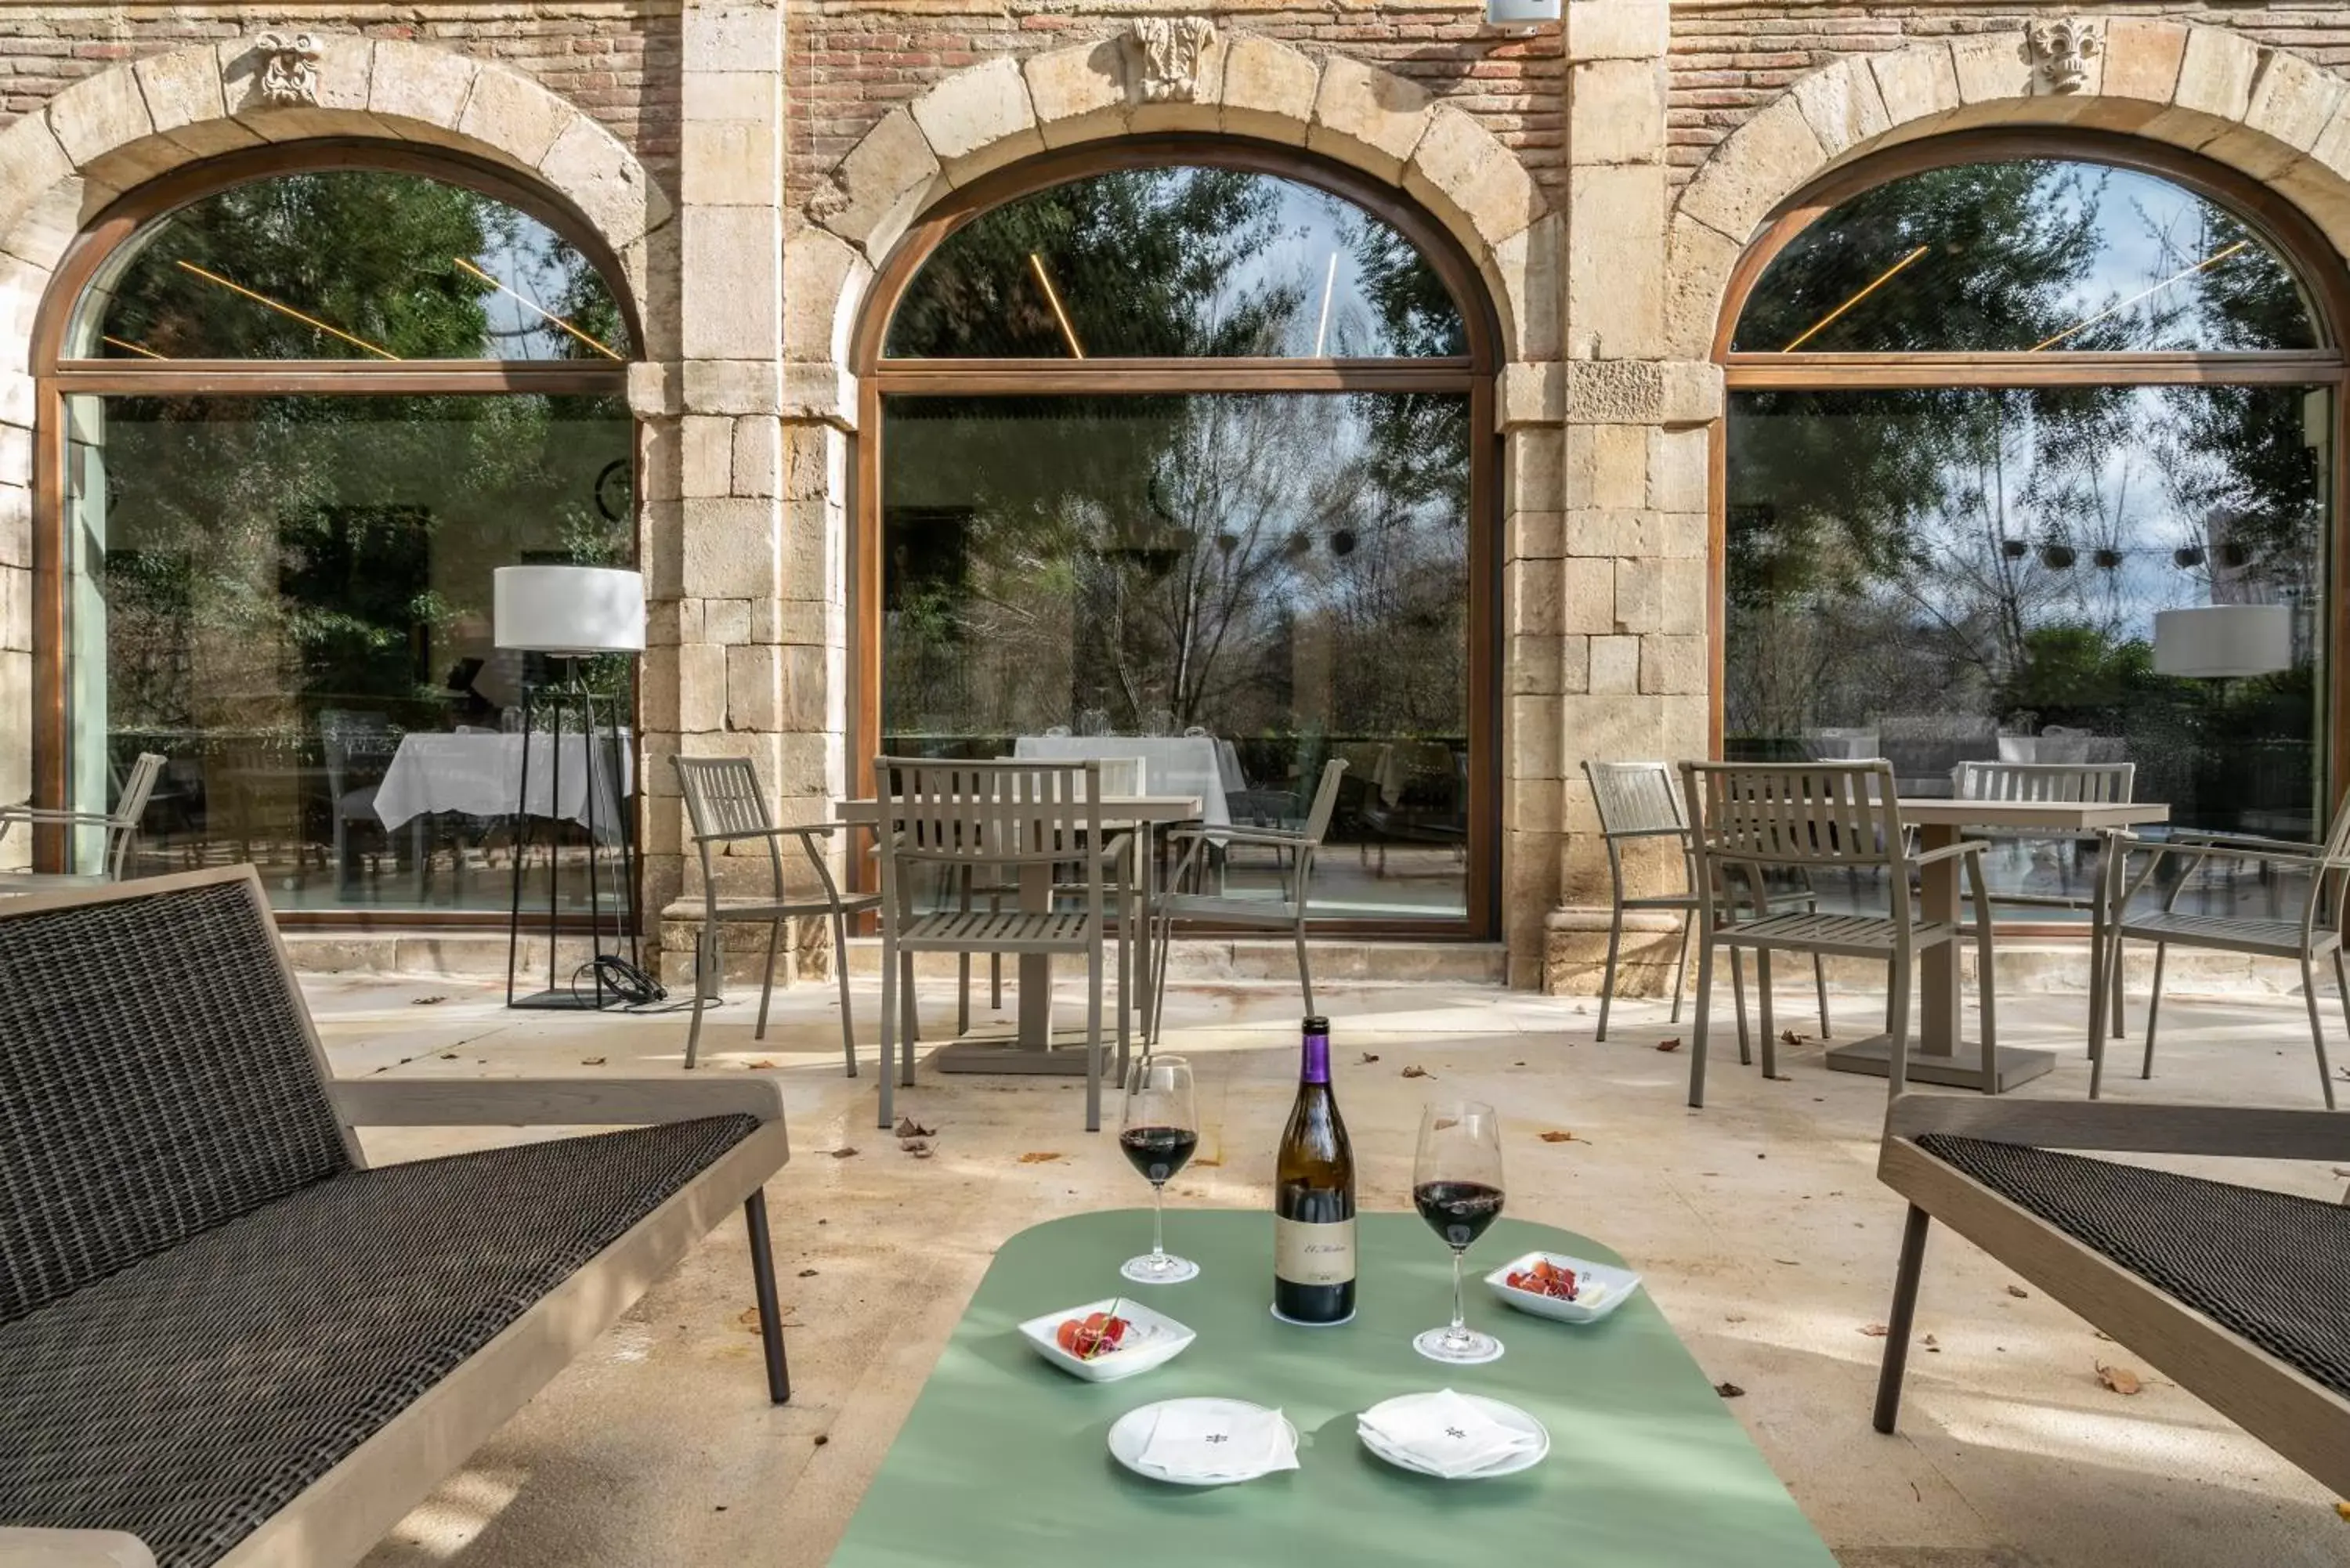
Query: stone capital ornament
[1166, 52]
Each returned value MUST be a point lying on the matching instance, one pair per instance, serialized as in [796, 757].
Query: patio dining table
[1032, 1048]
[1937, 1054]
[1004, 1461]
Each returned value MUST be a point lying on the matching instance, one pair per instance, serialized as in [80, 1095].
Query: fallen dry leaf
[1933, 1345]
[425, 1000]
[1789, 1037]
[749, 1318]
[1672, 1044]
[1039, 1156]
[2101, 1333]
[448, 1056]
[908, 1128]
[923, 1151]
[1207, 1164]
[807, 1273]
[1875, 1330]
[1729, 1390]
[1417, 1073]
[755, 1067]
[821, 1439]
[1554, 1135]
[591, 1061]
[842, 1153]
[2019, 1293]
[1369, 1057]
[2343, 1509]
[2120, 1380]
[914, 1146]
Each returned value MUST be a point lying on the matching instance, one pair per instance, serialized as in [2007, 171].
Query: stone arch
[63, 165]
[989, 115]
[2267, 112]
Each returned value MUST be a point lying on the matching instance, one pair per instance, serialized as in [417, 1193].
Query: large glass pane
[289, 598]
[1176, 263]
[1935, 577]
[1235, 588]
[350, 264]
[2030, 255]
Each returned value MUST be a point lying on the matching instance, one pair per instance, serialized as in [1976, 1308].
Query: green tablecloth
[1004, 1459]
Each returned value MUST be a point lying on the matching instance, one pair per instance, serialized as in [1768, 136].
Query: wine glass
[1456, 1185]
[1159, 1132]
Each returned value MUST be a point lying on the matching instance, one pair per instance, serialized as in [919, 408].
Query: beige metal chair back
[724, 796]
[1326, 805]
[1635, 800]
[1810, 814]
[129, 806]
[2068, 782]
[983, 817]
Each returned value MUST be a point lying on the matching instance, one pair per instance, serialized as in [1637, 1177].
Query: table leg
[1937, 1054]
[1037, 969]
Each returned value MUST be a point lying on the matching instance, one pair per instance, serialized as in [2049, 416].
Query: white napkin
[1190, 1442]
[1445, 1433]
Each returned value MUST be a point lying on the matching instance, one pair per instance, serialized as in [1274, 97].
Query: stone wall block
[1691, 392]
[1915, 85]
[820, 271]
[418, 82]
[16, 525]
[1078, 92]
[1613, 392]
[2142, 56]
[181, 86]
[979, 120]
[1843, 106]
[602, 177]
[346, 72]
[754, 688]
[1531, 477]
[1268, 89]
[655, 389]
[1368, 117]
[1682, 590]
[731, 386]
[1588, 596]
[2293, 101]
[1530, 598]
[1762, 162]
[701, 688]
[1615, 110]
[1531, 665]
[733, 262]
[1593, 531]
[814, 689]
[1617, 30]
[1614, 665]
[1527, 267]
[727, 622]
[1532, 806]
[1471, 180]
[731, 549]
[1615, 264]
[756, 464]
[886, 179]
[15, 728]
[515, 114]
[33, 165]
[728, 162]
[1993, 66]
[814, 462]
[1674, 663]
[1639, 597]
[2216, 71]
[1607, 467]
[1529, 395]
[706, 448]
[660, 548]
[657, 688]
[1534, 535]
[733, 37]
[1681, 469]
[1535, 750]
[100, 114]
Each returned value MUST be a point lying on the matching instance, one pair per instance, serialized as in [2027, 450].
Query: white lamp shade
[2216, 641]
[571, 610]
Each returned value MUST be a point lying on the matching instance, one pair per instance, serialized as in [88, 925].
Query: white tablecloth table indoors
[1171, 764]
[480, 775]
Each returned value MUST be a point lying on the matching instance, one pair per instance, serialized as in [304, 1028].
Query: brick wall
[1728, 61]
[846, 65]
[618, 59]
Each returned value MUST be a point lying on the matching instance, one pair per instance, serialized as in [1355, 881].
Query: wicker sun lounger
[225, 1337]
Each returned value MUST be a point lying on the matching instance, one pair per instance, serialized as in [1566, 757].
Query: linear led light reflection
[1329, 282]
[1875, 283]
[1053, 299]
[2210, 261]
[533, 306]
[287, 310]
[128, 346]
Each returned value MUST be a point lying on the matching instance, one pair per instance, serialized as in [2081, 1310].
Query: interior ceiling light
[130, 348]
[533, 306]
[283, 309]
[1053, 299]
[2210, 261]
[1875, 283]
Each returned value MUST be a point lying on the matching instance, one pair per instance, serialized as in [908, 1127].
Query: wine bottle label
[1309, 1255]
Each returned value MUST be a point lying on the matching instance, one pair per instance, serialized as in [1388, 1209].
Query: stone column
[711, 448]
[1634, 587]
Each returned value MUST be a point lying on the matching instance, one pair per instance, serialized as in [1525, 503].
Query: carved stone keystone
[1165, 53]
[2060, 52]
[289, 70]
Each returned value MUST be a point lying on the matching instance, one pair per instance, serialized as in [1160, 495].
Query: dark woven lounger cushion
[189, 1396]
[2272, 1267]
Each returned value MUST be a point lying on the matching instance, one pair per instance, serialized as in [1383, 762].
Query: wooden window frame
[1470, 375]
[2284, 226]
[57, 378]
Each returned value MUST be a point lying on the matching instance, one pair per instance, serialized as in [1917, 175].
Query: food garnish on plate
[1094, 1336]
[1547, 1279]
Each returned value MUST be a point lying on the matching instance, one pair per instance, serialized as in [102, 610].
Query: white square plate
[1152, 1339]
[1603, 1287]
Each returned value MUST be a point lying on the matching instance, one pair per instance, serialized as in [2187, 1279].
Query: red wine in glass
[1458, 1210]
[1159, 1152]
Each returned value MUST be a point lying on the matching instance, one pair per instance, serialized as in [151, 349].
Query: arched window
[1186, 456]
[1993, 412]
[292, 419]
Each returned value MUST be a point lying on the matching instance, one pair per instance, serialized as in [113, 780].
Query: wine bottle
[1314, 1198]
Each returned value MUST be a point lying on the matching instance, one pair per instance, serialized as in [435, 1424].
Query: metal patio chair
[726, 806]
[1756, 817]
[121, 825]
[2317, 934]
[989, 818]
[1640, 800]
[1293, 850]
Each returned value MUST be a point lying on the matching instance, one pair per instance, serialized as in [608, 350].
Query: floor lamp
[571, 613]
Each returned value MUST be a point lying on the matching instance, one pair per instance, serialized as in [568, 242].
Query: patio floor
[1763, 1231]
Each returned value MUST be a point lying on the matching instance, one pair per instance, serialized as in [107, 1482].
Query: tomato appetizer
[1545, 1279]
[1096, 1335]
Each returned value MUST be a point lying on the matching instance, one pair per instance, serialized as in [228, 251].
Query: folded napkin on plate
[1445, 1433]
[1190, 1443]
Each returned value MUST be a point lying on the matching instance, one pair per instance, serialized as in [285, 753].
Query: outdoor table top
[2073, 815]
[1153, 808]
[1005, 1459]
